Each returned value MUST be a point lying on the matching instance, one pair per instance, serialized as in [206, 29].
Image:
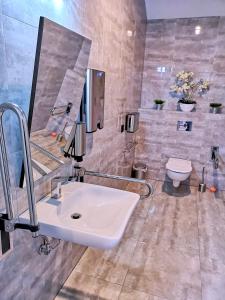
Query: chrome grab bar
[62, 109]
[5, 175]
[81, 172]
[124, 178]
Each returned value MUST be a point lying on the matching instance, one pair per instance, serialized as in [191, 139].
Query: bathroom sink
[86, 214]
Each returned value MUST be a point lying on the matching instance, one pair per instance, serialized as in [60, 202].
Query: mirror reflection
[58, 82]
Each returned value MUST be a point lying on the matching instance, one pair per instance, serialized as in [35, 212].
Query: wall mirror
[59, 75]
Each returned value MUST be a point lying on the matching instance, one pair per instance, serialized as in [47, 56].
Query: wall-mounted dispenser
[132, 122]
[92, 108]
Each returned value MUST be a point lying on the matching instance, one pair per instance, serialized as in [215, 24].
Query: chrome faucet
[8, 220]
[56, 193]
[215, 156]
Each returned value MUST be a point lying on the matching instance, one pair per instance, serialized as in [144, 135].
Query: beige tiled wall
[121, 57]
[23, 273]
[174, 45]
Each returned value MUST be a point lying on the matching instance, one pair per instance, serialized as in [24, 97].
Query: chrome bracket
[48, 245]
[5, 224]
[10, 225]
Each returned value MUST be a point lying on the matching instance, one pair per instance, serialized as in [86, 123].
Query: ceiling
[168, 9]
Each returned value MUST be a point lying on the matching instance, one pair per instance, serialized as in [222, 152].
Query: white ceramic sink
[104, 214]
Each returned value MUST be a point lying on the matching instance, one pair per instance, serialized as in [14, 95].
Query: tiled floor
[173, 249]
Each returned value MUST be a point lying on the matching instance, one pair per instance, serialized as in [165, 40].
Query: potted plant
[215, 108]
[185, 88]
[186, 104]
[159, 104]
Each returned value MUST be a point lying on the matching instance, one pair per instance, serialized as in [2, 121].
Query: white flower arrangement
[185, 88]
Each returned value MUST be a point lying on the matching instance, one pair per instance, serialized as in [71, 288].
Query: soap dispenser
[93, 99]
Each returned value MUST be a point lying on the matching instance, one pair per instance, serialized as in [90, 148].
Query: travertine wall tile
[173, 46]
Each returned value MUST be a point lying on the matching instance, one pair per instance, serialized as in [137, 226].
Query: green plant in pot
[159, 103]
[215, 108]
[185, 89]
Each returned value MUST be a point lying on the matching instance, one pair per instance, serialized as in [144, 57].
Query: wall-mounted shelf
[145, 109]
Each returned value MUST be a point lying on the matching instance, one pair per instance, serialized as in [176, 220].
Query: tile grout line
[20, 21]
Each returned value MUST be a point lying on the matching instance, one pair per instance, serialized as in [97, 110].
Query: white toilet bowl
[178, 170]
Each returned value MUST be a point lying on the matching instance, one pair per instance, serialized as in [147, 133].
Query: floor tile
[82, 287]
[213, 286]
[173, 221]
[211, 223]
[134, 227]
[111, 265]
[164, 273]
[143, 207]
[129, 294]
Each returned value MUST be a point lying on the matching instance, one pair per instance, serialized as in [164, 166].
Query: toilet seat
[179, 165]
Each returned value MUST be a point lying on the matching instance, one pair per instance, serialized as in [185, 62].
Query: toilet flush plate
[184, 125]
[86, 214]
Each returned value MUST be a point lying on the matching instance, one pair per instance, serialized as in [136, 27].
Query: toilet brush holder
[202, 185]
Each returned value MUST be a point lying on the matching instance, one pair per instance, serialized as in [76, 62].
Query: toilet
[178, 170]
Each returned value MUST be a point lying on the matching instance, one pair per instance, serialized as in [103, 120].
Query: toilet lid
[179, 165]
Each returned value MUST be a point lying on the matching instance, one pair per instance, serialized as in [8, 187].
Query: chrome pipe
[70, 140]
[27, 161]
[123, 178]
[47, 153]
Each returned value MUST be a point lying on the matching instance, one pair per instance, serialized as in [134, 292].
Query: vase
[215, 110]
[158, 106]
[187, 107]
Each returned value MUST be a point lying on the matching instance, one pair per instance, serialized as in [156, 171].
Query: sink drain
[76, 216]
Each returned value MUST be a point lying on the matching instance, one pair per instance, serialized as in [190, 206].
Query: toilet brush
[202, 185]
